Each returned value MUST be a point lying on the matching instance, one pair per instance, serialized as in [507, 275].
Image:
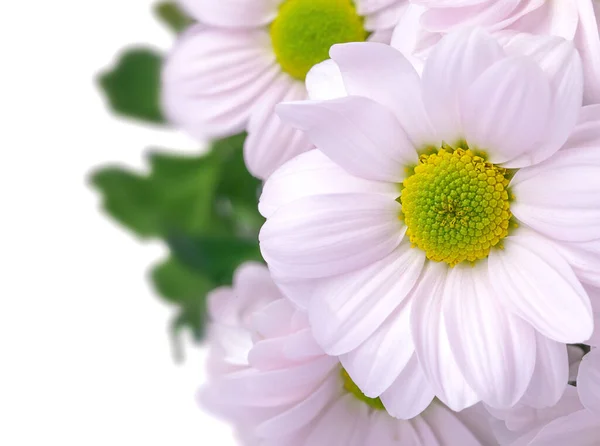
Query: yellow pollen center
[304, 30]
[456, 206]
[352, 388]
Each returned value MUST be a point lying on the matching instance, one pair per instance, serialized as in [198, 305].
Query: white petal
[449, 427]
[383, 74]
[561, 197]
[232, 13]
[326, 235]
[411, 39]
[347, 309]
[324, 81]
[270, 142]
[385, 19]
[357, 133]
[587, 40]
[580, 428]
[341, 424]
[587, 131]
[550, 376]
[213, 78]
[447, 16]
[494, 349]
[303, 413]
[584, 258]
[505, 112]
[273, 320]
[536, 282]
[297, 291]
[561, 63]
[275, 387]
[453, 65]
[588, 381]
[378, 361]
[594, 294]
[410, 394]
[365, 7]
[312, 173]
[431, 340]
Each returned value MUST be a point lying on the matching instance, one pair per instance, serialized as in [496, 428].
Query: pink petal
[310, 174]
[326, 235]
[561, 197]
[537, 283]
[587, 40]
[275, 387]
[357, 133]
[232, 13]
[587, 130]
[383, 74]
[212, 79]
[303, 413]
[579, 428]
[324, 81]
[505, 112]
[453, 65]
[378, 361]
[584, 258]
[588, 381]
[410, 394]
[561, 63]
[494, 349]
[345, 310]
[346, 412]
[550, 376]
[431, 340]
[270, 142]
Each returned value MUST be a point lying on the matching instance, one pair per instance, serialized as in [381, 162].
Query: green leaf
[172, 15]
[215, 257]
[132, 87]
[206, 209]
[185, 288]
[129, 199]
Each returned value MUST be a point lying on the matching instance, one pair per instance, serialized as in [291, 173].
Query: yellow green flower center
[352, 388]
[456, 205]
[304, 30]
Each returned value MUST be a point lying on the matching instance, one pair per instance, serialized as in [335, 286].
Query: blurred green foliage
[204, 207]
[172, 15]
[132, 86]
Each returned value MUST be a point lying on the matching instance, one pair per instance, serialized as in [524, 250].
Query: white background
[84, 355]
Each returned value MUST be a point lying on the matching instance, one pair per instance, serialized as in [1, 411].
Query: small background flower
[278, 387]
[226, 74]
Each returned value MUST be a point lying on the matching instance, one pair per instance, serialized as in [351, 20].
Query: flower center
[352, 388]
[456, 205]
[304, 30]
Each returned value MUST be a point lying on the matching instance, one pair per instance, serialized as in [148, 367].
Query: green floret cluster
[352, 388]
[456, 206]
[304, 30]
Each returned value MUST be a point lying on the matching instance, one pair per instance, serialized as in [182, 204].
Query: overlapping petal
[357, 133]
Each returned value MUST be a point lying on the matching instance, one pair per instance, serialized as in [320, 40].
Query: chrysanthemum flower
[226, 75]
[450, 217]
[426, 21]
[574, 420]
[277, 386]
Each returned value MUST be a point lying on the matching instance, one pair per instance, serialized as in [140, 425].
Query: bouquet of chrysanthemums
[395, 236]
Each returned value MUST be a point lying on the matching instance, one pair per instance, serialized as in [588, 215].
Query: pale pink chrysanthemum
[276, 385]
[450, 217]
[226, 74]
[426, 21]
[574, 420]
